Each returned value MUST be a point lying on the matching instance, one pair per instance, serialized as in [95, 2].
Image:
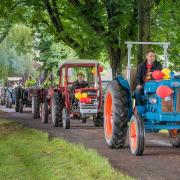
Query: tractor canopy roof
[79, 63]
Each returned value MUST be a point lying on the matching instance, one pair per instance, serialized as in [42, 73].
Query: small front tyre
[44, 111]
[65, 119]
[136, 135]
[98, 120]
[175, 135]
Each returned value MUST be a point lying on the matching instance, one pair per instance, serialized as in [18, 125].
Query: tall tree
[144, 26]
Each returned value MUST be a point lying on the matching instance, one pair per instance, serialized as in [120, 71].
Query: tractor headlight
[153, 100]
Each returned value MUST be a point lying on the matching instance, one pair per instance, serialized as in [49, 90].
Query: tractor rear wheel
[136, 135]
[98, 120]
[44, 111]
[65, 119]
[115, 115]
[35, 106]
[18, 95]
[56, 109]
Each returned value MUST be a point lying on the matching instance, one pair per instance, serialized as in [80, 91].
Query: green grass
[28, 154]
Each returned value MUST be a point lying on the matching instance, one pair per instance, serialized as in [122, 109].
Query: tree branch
[54, 19]
[94, 22]
[75, 2]
[4, 34]
[17, 4]
[56, 14]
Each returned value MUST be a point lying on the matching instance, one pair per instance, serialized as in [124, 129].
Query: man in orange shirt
[144, 72]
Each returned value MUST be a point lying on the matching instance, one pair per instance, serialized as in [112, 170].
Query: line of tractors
[63, 102]
[112, 107]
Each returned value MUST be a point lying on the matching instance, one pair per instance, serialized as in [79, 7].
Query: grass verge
[29, 154]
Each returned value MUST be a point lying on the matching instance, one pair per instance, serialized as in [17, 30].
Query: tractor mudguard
[123, 82]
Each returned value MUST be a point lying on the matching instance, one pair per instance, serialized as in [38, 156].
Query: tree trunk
[144, 26]
[115, 58]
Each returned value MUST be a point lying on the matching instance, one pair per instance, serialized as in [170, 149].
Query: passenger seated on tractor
[144, 74]
[80, 83]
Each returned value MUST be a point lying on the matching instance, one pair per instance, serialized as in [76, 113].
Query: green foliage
[16, 52]
[165, 27]
[20, 39]
[93, 29]
[51, 53]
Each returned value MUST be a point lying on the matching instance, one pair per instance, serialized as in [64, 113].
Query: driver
[144, 72]
[30, 82]
[80, 83]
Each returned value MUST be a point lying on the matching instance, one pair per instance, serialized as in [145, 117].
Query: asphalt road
[159, 162]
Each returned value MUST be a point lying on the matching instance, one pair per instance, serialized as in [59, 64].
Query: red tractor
[66, 102]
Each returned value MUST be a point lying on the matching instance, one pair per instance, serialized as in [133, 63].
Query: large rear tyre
[115, 115]
[44, 111]
[65, 119]
[17, 97]
[136, 135]
[35, 106]
[56, 109]
[98, 120]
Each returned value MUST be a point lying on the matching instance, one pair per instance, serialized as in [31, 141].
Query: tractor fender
[123, 82]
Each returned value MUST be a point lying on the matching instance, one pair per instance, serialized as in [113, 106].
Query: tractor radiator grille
[168, 104]
[91, 93]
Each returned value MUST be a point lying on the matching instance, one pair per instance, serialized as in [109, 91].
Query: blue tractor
[160, 109]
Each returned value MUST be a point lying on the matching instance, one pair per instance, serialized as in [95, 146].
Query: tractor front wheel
[66, 119]
[84, 120]
[136, 135]
[175, 135]
[115, 115]
[98, 120]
